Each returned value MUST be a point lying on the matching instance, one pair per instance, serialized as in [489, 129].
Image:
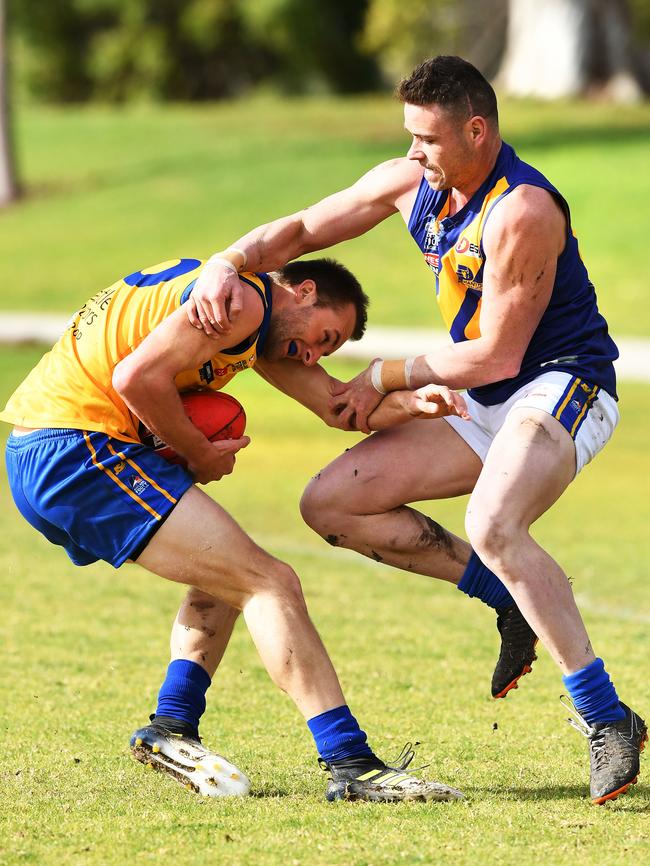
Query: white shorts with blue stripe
[588, 413]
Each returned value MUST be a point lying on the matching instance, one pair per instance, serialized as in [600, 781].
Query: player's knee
[490, 534]
[283, 581]
[318, 505]
[260, 573]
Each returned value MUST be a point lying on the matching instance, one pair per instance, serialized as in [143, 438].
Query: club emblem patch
[138, 484]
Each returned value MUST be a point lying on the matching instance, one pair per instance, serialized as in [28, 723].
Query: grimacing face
[441, 143]
[306, 333]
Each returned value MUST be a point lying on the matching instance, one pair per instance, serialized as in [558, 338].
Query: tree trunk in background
[8, 183]
[564, 48]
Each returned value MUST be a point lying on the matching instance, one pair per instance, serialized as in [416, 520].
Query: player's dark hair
[452, 83]
[335, 287]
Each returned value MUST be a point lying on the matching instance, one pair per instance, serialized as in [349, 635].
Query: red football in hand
[217, 416]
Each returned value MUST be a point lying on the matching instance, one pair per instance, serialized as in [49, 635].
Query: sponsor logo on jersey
[433, 260]
[464, 247]
[466, 276]
[138, 484]
[229, 369]
[206, 373]
[431, 234]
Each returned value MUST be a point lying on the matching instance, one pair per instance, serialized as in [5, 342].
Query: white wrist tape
[242, 254]
[408, 370]
[375, 377]
[225, 262]
[224, 257]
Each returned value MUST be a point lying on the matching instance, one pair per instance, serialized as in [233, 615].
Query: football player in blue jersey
[531, 347]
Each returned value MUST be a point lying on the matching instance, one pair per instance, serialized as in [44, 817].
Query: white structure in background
[565, 48]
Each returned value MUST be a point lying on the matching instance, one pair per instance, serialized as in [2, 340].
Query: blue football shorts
[98, 497]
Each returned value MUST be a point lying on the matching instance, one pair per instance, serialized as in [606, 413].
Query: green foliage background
[118, 50]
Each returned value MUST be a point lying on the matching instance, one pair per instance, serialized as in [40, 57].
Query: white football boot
[189, 762]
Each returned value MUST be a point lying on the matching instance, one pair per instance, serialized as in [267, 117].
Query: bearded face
[305, 334]
[285, 329]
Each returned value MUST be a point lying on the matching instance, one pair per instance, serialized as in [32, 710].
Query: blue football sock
[337, 735]
[593, 694]
[479, 582]
[182, 695]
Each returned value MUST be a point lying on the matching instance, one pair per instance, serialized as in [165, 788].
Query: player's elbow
[510, 368]
[127, 379]
[503, 365]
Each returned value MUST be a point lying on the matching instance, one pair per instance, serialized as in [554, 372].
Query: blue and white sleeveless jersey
[571, 336]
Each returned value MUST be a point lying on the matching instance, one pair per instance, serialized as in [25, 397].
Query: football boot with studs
[366, 777]
[187, 760]
[517, 654]
[614, 750]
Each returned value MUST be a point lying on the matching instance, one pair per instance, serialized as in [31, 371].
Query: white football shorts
[588, 413]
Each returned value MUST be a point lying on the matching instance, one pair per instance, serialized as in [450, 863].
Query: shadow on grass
[271, 793]
[558, 792]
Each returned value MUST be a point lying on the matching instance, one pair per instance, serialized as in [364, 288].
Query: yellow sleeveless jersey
[71, 386]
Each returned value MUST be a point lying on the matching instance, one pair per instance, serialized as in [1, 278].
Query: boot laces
[579, 723]
[596, 737]
[403, 760]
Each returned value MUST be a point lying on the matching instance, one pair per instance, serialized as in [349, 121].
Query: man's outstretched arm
[215, 301]
[313, 387]
[523, 239]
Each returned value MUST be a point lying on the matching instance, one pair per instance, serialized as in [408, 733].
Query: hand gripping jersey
[71, 387]
[571, 336]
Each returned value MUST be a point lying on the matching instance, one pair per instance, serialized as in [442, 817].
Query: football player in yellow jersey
[533, 351]
[80, 476]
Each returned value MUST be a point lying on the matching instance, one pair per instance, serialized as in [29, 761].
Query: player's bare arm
[145, 381]
[313, 387]
[390, 187]
[310, 386]
[523, 238]
[425, 403]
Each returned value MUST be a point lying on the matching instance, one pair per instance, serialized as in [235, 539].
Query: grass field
[111, 190]
[85, 650]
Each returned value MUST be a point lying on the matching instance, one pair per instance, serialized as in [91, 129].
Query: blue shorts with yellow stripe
[98, 497]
